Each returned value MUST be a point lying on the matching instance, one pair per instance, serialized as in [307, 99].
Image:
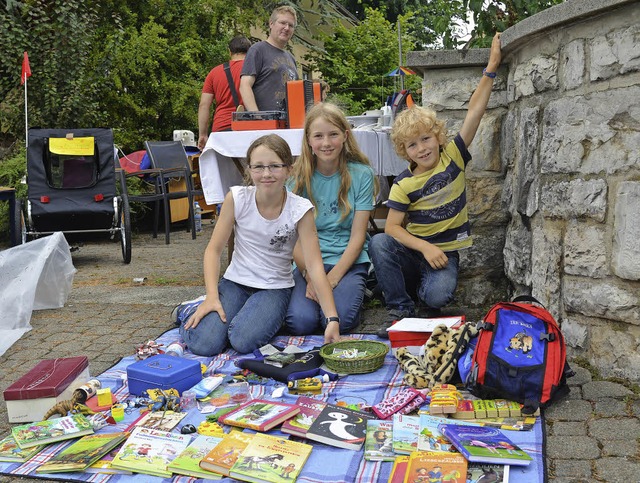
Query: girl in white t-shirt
[247, 306]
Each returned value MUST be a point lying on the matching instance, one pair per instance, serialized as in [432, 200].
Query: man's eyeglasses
[272, 168]
[284, 23]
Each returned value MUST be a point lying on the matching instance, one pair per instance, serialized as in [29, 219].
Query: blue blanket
[326, 463]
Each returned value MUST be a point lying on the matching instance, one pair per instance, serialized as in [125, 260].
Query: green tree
[355, 61]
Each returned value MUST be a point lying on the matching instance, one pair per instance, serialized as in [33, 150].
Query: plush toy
[441, 353]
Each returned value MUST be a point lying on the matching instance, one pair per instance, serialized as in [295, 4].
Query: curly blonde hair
[304, 167]
[413, 122]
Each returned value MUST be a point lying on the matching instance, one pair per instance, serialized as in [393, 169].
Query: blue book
[484, 444]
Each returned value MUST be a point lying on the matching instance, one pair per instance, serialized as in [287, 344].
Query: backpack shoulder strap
[232, 85]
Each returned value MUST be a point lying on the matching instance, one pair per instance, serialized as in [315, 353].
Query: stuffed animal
[441, 353]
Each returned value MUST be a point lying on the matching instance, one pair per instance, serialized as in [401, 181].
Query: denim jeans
[305, 316]
[254, 316]
[401, 271]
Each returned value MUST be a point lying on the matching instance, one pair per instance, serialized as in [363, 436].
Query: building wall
[554, 185]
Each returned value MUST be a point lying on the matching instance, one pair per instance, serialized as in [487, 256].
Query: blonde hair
[306, 164]
[413, 122]
[281, 10]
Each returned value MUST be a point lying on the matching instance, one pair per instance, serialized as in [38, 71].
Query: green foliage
[12, 170]
[355, 62]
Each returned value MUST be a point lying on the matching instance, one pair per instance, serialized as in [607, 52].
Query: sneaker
[174, 315]
[393, 316]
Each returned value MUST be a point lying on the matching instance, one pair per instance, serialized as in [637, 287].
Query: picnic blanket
[326, 463]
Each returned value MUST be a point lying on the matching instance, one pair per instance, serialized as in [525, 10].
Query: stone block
[602, 298]
[546, 257]
[572, 64]
[484, 149]
[517, 252]
[574, 199]
[484, 203]
[539, 74]
[585, 249]
[615, 53]
[576, 332]
[626, 242]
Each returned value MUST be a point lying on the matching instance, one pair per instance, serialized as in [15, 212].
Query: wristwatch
[332, 319]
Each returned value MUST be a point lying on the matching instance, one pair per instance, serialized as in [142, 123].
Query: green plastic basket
[372, 361]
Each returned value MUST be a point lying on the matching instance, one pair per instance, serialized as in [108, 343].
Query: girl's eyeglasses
[272, 168]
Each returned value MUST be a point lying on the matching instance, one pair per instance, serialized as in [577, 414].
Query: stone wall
[554, 185]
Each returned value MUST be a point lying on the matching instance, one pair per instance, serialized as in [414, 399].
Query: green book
[188, 462]
[51, 430]
[10, 451]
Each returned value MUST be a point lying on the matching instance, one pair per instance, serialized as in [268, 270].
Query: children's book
[484, 444]
[399, 469]
[84, 452]
[103, 465]
[300, 423]
[406, 430]
[161, 420]
[150, 451]
[378, 443]
[425, 466]
[51, 430]
[260, 415]
[223, 396]
[221, 458]
[271, 459]
[478, 472]
[430, 438]
[340, 426]
[188, 462]
[10, 451]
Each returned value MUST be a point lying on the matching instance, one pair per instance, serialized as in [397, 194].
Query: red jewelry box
[418, 331]
[49, 382]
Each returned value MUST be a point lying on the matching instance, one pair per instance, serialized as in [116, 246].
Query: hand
[202, 141]
[332, 333]
[495, 55]
[436, 258]
[203, 309]
[334, 280]
[311, 292]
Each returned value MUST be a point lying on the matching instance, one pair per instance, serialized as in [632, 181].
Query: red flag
[26, 69]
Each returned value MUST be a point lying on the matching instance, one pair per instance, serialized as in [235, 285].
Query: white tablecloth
[218, 172]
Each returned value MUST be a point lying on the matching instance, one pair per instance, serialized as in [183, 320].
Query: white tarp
[36, 275]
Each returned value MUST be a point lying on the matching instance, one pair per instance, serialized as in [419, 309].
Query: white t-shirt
[263, 251]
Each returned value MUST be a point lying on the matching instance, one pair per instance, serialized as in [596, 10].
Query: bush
[13, 170]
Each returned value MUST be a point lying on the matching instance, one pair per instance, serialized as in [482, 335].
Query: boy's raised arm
[480, 98]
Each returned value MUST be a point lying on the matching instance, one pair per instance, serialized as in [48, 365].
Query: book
[300, 423]
[81, 454]
[10, 451]
[51, 430]
[221, 458]
[399, 469]
[225, 395]
[378, 442]
[160, 420]
[484, 444]
[405, 433]
[150, 451]
[271, 459]
[425, 466]
[340, 426]
[493, 473]
[510, 424]
[103, 465]
[188, 462]
[430, 438]
[280, 359]
[260, 415]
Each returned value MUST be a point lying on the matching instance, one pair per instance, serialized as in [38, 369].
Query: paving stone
[614, 428]
[572, 468]
[572, 428]
[604, 389]
[617, 470]
[581, 376]
[610, 407]
[569, 410]
[620, 447]
[572, 447]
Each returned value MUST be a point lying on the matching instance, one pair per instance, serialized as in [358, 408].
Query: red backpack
[520, 355]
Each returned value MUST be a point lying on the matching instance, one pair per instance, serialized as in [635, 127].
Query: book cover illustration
[260, 415]
[405, 433]
[301, 422]
[340, 426]
[399, 469]
[161, 420]
[271, 459]
[51, 430]
[10, 451]
[485, 444]
[84, 452]
[478, 472]
[103, 465]
[431, 466]
[188, 462]
[430, 438]
[150, 451]
[378, 442]
[223, 396]
[222, 457]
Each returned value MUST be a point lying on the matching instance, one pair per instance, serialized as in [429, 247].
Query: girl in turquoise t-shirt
[337, 178]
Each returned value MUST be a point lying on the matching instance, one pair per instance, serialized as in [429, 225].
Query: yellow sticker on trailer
[72, 146]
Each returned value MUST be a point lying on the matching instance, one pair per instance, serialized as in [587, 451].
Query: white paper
[414, 324]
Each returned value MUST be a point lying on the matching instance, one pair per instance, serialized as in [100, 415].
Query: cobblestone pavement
[592, 435]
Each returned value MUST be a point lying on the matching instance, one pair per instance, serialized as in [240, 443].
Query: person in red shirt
[216, 88]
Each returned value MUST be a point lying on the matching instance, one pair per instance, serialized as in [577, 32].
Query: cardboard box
[49, 382]
[163, 372]
[412, 333]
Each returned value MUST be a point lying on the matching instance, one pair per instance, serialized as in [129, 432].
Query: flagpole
[26, 116]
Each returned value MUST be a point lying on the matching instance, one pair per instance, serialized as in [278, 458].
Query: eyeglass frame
[272, 168]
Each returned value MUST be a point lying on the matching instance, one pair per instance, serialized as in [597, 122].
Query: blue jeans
[401, 271]
[305, 315]
[254, 316]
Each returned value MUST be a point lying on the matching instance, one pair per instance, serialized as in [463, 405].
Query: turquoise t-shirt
[334, 233]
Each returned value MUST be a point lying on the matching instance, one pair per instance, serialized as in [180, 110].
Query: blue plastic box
[163, 372]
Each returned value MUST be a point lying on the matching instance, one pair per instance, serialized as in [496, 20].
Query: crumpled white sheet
[33, 276]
